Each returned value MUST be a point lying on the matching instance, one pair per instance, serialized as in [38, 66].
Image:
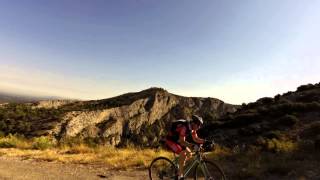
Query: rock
[145, 114]
[48, 104]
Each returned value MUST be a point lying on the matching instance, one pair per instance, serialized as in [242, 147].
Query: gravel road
[17, 168]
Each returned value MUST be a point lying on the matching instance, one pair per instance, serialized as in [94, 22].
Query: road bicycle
[162, 168]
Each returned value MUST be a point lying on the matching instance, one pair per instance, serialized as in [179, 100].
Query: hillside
[17, 98]
[293, 115]
[139, 118]
[272, 138]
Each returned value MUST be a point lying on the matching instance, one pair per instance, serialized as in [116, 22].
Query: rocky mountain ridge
[135, 118]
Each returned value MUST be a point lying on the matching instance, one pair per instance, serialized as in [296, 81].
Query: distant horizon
[236, 51]
[68, 98]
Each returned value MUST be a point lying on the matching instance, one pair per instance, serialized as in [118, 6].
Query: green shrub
[3, 126]
[274, 134]
[277, 97]
[13, 141]
[312, 130]
[313, 106]
[289, 108]
[242, 120]
[306, 145]
[275, 145]
[309, 96]
[288, 120]
[265, 100]
[287, 93]
[263, 110]
[2, 134]
[42, 143]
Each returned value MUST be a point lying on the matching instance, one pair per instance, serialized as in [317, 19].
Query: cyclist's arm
[196, 138]
[183, 142]
[182, 138]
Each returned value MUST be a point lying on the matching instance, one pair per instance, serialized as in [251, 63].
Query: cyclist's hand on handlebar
[209, 145]
[197, 147]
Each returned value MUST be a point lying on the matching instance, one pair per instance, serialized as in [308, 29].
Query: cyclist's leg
[189, 154]
[176, 148]
[182, 160]
[184, 156]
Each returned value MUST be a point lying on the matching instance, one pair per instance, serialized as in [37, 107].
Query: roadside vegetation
[269, 158]
[47, 149]
[272, 138]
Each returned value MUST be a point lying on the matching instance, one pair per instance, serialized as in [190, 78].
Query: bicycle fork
[205, 171]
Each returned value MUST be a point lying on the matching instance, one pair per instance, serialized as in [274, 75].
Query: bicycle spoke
[209, 171]
[162, 169]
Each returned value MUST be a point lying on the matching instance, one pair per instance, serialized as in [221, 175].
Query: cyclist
[181, 132]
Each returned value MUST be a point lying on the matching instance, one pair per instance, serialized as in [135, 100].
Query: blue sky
[237, 51]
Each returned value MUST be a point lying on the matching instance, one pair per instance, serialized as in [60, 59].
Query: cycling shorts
[175, 147]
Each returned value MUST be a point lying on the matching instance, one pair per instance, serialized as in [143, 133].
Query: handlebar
[207, 146]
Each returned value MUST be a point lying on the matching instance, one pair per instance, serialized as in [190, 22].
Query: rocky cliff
[139, 118]
[133, 118]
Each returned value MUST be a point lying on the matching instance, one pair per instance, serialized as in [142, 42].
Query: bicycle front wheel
[162, 168]
[207, 170]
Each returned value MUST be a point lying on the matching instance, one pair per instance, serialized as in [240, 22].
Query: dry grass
[113, 158]
[275, 158]
[12, 141]
[13, 146]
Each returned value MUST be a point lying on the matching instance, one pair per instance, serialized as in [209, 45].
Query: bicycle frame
[197, 160]
[197, 164]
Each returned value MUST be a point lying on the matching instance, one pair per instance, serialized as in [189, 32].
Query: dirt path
[17, 168]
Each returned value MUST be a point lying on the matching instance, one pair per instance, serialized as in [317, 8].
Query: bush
[2, 134]
[306, 146]
[312, 131]
[274, 134]
[275, 145]
[42, 143]
[288, 120]
[14, 141]
[243, 106]
[289, 108]
[313, 106]
[242, 120]
[277, 97]
[265, 100]
[287, 93]
[305, 87]
[263, 110]
[7, 144]
[309, 96]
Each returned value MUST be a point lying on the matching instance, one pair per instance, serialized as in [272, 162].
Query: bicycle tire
[169, 171]
[215, 171]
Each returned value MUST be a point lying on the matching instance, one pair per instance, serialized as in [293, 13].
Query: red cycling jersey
[176, 147]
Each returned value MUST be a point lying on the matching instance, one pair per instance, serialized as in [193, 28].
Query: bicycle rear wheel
[208, 170]
[162, 168]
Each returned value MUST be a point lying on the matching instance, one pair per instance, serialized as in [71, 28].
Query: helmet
[197, 119]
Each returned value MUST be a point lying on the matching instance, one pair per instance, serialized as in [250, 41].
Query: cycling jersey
[179, 128]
